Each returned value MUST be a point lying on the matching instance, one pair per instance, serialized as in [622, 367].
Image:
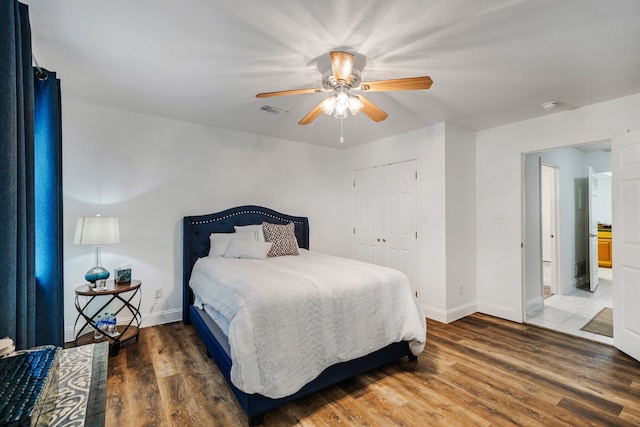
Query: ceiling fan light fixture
[341, 104]
[340, 114]
[329, 105]
[355, 105]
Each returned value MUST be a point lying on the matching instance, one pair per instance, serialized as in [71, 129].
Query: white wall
[150, 172]
[499, 190]
[460, 175]
[599, 160]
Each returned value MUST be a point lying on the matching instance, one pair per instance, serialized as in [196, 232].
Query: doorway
[572, 306]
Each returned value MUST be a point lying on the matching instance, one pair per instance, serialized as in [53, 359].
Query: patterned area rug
[601, 323]
[81, 386]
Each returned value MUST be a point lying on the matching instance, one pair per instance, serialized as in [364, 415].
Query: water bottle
[99, 324]
[105, 323]
[113, 328]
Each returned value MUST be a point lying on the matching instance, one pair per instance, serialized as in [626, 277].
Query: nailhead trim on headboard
[243, 213]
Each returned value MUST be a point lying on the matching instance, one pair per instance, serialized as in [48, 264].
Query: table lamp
[97, 230]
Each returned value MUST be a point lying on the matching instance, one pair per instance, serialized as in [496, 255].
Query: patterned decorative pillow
[283, 238]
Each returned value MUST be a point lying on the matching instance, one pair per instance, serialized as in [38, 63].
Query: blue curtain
[30, 310]
[48, 204]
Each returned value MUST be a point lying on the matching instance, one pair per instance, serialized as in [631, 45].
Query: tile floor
[568, 313]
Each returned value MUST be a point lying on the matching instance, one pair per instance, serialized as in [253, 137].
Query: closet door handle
[384, 240]
[378, 239]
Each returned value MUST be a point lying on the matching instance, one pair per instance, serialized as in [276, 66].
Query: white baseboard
[162, 317]
[151, 319]
[461, 311]
[507, 313]
[449, 316]
[434, 313]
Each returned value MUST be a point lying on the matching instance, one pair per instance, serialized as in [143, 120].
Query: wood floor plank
[176, 398]
[477, 371]
[162, 356]
[117, 401]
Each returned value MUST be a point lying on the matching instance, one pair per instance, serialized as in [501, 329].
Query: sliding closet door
[385, 231]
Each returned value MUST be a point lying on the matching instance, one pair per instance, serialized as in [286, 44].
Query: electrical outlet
[460, 289]
[158, 292]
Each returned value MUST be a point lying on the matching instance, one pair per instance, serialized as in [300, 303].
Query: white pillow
[257, 231]
[218, 242]
[252, 249]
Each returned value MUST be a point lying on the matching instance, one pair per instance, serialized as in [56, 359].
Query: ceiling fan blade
[342, 65]
[410, 83]
[313, 114]
[372, 110]
[288, 92]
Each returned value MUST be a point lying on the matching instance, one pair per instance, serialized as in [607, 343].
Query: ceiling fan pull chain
[341, 137]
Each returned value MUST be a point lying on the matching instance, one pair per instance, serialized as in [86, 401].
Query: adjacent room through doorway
[563, 290]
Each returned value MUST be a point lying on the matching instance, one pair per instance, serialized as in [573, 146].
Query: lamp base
[96, 273]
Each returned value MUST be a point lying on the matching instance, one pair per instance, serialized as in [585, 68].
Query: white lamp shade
[97, 230]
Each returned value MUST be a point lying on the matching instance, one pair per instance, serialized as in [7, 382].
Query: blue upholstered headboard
[198, 228]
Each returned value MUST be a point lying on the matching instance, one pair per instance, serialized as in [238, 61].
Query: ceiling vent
[274, 110]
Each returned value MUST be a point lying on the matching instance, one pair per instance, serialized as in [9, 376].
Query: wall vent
[580, 269]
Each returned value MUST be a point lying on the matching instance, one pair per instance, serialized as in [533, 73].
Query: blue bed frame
[196, 244]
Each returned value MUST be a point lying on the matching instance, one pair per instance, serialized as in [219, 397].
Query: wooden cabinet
[604, 249]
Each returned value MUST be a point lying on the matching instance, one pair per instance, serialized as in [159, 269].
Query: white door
[546, 189]
[368, 224]
[625, 155]
[399, 200]
[549, 202]
[385, 202]
[592, 201]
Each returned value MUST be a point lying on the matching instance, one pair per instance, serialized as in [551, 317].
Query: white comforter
[291, 317]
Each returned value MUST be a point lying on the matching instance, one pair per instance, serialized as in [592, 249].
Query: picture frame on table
[122, 275]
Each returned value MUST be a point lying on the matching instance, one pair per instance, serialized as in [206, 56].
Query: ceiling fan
[341, 80]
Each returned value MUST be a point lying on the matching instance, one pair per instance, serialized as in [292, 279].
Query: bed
[217, 337]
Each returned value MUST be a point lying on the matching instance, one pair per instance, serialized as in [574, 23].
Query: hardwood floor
[476, 371]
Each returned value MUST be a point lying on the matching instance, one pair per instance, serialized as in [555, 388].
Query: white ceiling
[492, 61]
